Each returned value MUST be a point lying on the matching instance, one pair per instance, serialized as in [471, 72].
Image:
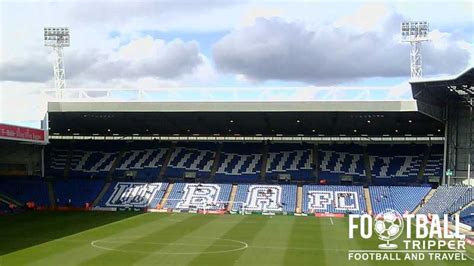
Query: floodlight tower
[57, 38]
[415, 32]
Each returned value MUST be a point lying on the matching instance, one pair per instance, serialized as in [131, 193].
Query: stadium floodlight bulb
[57, 38]
[415, 32]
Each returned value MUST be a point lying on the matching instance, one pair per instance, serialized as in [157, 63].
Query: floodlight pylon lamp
[415, 32]
[57, 38]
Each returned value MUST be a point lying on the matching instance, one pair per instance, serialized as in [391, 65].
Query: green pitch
[124, 238]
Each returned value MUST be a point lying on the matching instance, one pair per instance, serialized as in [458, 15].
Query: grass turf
[125, 238]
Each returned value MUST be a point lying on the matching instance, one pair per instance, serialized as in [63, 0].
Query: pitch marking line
[243, 246]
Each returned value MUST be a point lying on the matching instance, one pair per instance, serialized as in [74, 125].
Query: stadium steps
[421, 171]
[101, 194]
[315, 162]
[368, 171]
[427, 198]
[368, 201]
[51, 194]
[116, 162]
[263, 169]
[465, 207]
[165, 197]
[233, 192]
[299, 199]
[8, 199]
[166, 162]
[67, 167]
[215, 164]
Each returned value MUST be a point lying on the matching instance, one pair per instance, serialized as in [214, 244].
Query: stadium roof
[437, 91]
[309, 118]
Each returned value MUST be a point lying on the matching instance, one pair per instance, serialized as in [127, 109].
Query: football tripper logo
[389, 226]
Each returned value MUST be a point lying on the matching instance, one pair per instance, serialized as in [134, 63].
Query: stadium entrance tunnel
[23, 230]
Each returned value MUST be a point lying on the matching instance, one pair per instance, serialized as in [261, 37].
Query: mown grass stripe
[197, 242]
[168, 234]
[246, 231]
[306, 232]
[70, 246]
[270, 243]
[34, 229]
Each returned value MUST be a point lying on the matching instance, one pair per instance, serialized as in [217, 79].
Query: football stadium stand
[400, 198]
[76, 192]
[292, 159]
[86, 160]
[338, 160]
[133, 195]
[467, 216]
[448, 199]
[333, 199]
[80, 170]
[239, 162]
[188, 196]
[263, 198]
[26, 189]
[242, 162]
[197, 158]
[396, 163]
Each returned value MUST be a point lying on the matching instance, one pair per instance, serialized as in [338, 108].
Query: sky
[226, 50]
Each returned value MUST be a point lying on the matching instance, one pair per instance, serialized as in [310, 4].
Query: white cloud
[323, 42]
[277, 49]
[368, 17]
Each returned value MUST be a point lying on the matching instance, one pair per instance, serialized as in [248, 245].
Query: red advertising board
[22, 133]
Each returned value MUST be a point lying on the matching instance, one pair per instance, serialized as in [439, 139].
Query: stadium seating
[146, 159]
[293, 159]
[399, 198]
[434, 166]
[79, 191]
[340, 160]
[400, 164]
[333, 199]
[274, 198]
[464, 200]
[467, 216]
[242, 162]
[146, 163]
[239, 162]
[133, 195]
[197, 158]
[448, 199]
[26, 189]
[187, 196]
